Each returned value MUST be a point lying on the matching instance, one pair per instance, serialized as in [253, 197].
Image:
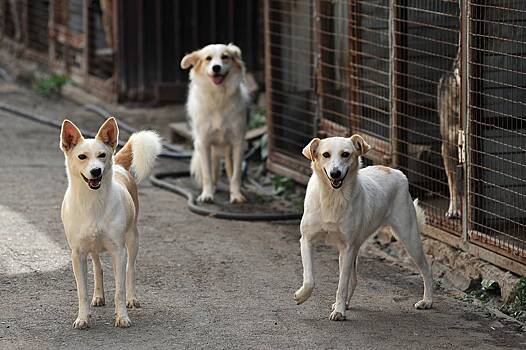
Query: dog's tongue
[94, 183]
[218, 79]
[336, 183]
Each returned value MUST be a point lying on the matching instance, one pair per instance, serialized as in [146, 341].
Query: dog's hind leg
[405, 226]
[216, 165]
[132, 243]
[235, 181]
[453, 211]
[98, 290]
[80, 268]
[122, 319]
[228, 162]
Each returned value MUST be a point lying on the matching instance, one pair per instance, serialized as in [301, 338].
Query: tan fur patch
[125, 156]
[384, 168]
[128, 181]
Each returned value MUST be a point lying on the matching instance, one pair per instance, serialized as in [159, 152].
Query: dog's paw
[237, 198]
[205, 198]
[98, 301]
[453, 214]
[80, 323]
[337, 316]
[302, 294]
[122, 321]
[347, 306]
[424, 305]
[133, 304]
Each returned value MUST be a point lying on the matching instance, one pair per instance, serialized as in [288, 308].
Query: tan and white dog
[100, 208]
[217, 107]
[345, 205]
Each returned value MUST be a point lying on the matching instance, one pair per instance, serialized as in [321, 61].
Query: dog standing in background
[448, 103]
[345, 205]
[100, 209]
[217, 106]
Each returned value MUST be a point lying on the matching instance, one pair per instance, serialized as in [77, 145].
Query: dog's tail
[420, 216]
[139, 153]
[195, 167]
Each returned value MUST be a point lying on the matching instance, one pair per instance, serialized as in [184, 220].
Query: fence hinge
[461, 146]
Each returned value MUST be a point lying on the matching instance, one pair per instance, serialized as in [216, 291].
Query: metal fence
[435, 86]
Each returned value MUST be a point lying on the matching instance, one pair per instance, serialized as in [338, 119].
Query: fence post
[393, 136]
[465, 111]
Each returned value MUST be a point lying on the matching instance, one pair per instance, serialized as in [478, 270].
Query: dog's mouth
[335, 183]
[218, 78]
[94, 184]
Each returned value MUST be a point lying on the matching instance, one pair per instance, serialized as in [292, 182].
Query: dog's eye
[102, 155]
[208, 58]
[225, 57]
[345, 154]
[326, 155]
[82, 156]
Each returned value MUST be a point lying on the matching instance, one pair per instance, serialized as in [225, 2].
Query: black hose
[157, 178]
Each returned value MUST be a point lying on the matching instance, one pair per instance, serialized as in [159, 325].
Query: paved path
[203, 283]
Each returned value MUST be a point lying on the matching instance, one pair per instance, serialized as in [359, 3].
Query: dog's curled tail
[420, 216]
[139, 153]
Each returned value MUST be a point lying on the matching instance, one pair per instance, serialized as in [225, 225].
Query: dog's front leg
[235, 181]
[345, 261]
[207, 193]
[121, 314]
[98, 290]
[80, 268]
[306, 289]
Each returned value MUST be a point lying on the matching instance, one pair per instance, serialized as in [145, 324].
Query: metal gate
[435, 86]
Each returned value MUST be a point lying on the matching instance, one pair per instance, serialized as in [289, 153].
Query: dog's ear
[190, 60]
[70, 136]
[234, 51]
[359, 144]
[109, 133]
[311, 149]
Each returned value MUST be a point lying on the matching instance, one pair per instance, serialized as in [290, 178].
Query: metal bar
[88, 33]
[465, 113]
[393, 92]
[268, 74]
[318, 70]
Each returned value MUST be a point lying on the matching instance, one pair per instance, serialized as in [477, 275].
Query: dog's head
[336, 158]
[215, 64]
[89, 159]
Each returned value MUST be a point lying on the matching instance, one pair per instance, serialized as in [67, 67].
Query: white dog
[100, 208]
[346, 205]
[217, 106]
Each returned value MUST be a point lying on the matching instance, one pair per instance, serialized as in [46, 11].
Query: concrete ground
[202, 282]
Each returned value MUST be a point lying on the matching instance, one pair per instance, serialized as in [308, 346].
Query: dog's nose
[335, 174]
[216, 68]
[95, 172]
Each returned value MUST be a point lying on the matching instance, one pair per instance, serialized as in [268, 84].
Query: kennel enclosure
[337, 67]
[129, 51]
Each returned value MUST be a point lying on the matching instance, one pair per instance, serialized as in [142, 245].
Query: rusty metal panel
[498, 126]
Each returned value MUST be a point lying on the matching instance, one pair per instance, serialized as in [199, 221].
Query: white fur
[218, 117]
[103, 219]
[367, 200]
[146, 147]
